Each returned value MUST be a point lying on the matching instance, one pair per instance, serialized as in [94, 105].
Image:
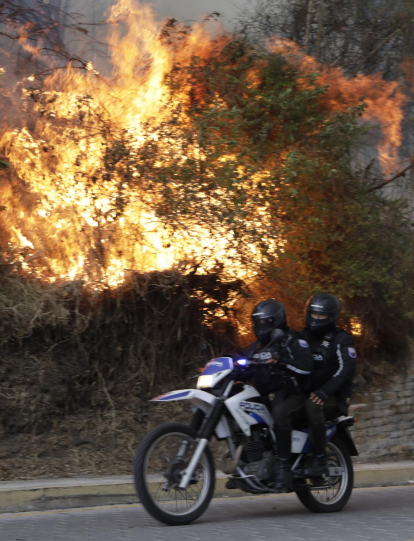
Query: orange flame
[384, 99]
[67, 228]
[70, 222]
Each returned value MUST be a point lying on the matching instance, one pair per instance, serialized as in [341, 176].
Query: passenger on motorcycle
[334, 357]
[286, 375]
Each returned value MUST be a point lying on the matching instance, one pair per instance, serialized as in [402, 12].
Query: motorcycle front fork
[205, 435]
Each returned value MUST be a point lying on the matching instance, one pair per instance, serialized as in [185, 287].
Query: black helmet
[267, 316]
[322, 313]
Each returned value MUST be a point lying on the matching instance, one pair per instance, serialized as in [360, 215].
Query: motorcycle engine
[263, 469]
[257, 457]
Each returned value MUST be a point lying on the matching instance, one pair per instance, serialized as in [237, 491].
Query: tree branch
[320, 29]
[308, 25]
[395, 177]
[380, 46]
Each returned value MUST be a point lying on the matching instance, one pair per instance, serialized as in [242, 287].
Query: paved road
[381, 514]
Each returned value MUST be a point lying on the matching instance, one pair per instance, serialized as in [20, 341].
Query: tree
[269, 166]
[33, 36]
[246, 163]
[364, 35]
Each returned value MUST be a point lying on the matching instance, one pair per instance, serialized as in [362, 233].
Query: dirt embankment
[74, 387]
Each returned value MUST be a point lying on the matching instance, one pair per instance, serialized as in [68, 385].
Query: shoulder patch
[352, 353]
[303, 343]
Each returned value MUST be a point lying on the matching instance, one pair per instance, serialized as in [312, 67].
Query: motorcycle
[174, 470]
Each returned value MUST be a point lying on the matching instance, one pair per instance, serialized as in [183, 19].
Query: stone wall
[385, 421]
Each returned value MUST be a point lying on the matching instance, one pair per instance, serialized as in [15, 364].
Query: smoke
[182, 10]
[193, 9]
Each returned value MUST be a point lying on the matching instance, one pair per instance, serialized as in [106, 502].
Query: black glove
[269, 354]
[320, 393]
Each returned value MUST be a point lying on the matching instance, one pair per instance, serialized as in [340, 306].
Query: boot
[284, 474]
[231, 484]
[317, 466]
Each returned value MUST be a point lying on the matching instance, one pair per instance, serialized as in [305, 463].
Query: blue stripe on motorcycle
[256, 417]
[217, 365]
[170, 396]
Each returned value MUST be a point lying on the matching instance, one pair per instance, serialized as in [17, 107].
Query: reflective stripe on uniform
[341, 361]
[298, 370]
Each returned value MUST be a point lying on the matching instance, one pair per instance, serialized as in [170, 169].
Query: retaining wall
[385, 421]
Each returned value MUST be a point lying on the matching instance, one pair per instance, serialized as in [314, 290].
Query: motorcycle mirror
[277, 335]
[205, 352]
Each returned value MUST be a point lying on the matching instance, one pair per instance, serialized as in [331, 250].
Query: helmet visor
[263, 326]
[319, 315]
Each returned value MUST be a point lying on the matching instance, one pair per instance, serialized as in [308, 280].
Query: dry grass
[77, 369]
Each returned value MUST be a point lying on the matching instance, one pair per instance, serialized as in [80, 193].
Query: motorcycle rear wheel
[332, 499]
[157, 474]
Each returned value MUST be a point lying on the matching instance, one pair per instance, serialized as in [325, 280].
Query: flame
[71, 228]
[384, 99]
[76, 223]
[356, 327]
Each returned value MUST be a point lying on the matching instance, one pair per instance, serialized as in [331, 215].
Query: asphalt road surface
[377, 514]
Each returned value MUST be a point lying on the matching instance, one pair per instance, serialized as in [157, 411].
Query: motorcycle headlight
[204, 382]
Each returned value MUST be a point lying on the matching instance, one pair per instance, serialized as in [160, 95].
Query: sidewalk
[48, 494]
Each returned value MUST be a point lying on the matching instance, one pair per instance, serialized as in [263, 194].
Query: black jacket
[334, 364]
[296, 363]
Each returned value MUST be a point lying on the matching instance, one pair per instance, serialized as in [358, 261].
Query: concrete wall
[385, 421]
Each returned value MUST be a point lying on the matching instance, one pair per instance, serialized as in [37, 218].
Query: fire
[76, 224]
[70, 218]
[384, 99]
[356, 327]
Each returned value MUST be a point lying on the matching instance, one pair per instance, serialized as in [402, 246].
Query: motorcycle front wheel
[161, 458]
[331, 494]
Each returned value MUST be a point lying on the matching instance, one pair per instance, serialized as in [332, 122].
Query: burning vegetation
[143, 211]
[184, 152]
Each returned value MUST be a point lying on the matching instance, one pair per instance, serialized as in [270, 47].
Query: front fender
[202, 400]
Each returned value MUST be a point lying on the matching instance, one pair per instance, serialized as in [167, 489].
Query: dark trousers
[320, 414]
[299, 409]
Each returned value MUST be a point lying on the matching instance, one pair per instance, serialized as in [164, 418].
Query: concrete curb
[45, 495]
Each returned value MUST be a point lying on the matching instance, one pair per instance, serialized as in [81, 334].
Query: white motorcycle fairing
[245, 412]
[199, 399]
[248, 413]
[216, 370]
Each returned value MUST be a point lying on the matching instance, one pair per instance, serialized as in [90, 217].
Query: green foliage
[269, 165]
[250, 150]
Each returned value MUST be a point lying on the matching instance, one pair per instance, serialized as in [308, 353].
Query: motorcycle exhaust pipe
[228, 463]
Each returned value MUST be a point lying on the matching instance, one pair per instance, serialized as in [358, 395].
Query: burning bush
[208, 150]
[193, 147]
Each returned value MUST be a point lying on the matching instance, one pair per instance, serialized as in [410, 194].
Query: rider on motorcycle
[286, 375]
[334, 357]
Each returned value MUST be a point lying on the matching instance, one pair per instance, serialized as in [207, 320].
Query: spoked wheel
[161, 458]
[330, 494]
